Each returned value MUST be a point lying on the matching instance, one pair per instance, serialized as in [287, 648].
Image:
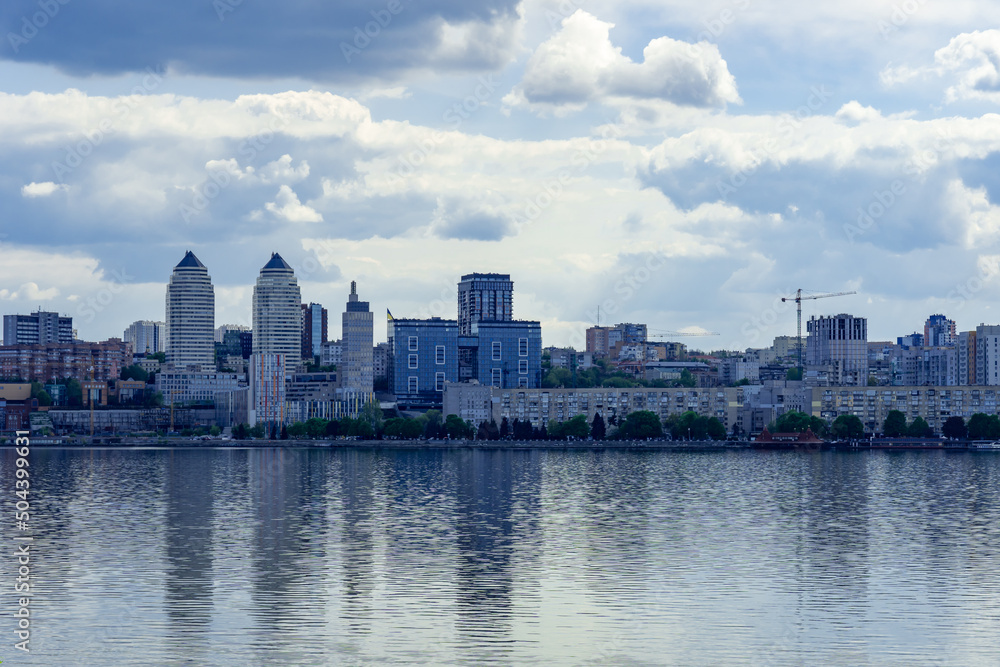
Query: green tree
[134, 372]
[597, 427]
[687, 379]
[894, 425]
[457, 428]
[847, 427]
[315, 427]
[574, 428]
[954, 427]
[872, 381]
[284, 432]
[257, 431]
[371, 412]
[74, 392]
[797, 422]
[919, 428]
[432, 423]
[793, 374]
[215, 431]
[558, 377]
[241, 431]
[296, 430]
[640, 425]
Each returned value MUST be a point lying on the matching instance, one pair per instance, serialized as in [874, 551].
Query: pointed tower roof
[190, 261]
[277, 262]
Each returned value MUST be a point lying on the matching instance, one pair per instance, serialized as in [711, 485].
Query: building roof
[190, 262]
[277, 262]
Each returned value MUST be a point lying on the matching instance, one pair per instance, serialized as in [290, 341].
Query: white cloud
[286, 205]
[970, 61]
[855, 112]
[29, 292]
[43, 189]
[579, 64]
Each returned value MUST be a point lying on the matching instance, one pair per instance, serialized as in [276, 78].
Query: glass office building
[423, 355]
[507, 355]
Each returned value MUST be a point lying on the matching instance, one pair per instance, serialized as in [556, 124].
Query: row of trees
[601, 374]
[845, 427]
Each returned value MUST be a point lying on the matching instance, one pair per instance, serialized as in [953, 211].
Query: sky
[682, 164]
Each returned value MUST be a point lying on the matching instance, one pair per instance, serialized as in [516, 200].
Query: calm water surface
[392, 557]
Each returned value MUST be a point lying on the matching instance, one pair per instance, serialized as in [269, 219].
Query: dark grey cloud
[346, 40]
[473, 223]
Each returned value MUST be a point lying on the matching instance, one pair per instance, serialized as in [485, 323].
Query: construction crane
[667, 334]
[798, 299]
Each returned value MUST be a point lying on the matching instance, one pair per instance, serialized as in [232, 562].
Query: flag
[388, 315]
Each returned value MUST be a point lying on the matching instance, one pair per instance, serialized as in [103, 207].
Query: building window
[411, 385]
[413, 343]
[522, 366]
[496, 350]
[522, 382]
[413, 361]
[496, 375]
[439, 355]
[522, 347]
[439, 382]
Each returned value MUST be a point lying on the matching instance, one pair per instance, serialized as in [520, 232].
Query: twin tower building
[276, 326]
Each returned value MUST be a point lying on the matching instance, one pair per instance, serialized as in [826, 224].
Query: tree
[984, 427]
[257, 431]
[576, 428]
[371, 412]
[241, 431]
[315, 427]
[793, 374]
[872, 381]
[687, 379]
[215, 430]
[558, 377]
[457, 428]
[296, 430]
[74, 392]
[919, 428]
[597, 427]
[847, 427]
[954, 427]
[894, 425]
[432, 422]
[134, 372]
[332, 428]
[640, 425]
[504, 429]
[797, 422]
[284, 432]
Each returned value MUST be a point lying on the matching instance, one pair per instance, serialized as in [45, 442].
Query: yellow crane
[798, 299]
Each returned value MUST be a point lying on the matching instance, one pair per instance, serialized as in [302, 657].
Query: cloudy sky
[677, 163]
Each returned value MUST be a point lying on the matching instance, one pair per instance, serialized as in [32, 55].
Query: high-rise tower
[484, 297]
[190, 316]
[357, 371]
[277, 312]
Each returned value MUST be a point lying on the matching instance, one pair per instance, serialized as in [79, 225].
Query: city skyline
[679, 164]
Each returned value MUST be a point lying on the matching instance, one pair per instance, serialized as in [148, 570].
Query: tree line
[847, 427]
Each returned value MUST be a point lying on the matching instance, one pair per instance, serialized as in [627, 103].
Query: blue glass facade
[508, 354]
[423, 355]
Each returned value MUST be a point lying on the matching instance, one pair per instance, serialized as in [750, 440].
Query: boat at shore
[985, 445]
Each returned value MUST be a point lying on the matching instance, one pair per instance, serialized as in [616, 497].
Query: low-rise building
[195, 387]
[540, 406]
[934, 404]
